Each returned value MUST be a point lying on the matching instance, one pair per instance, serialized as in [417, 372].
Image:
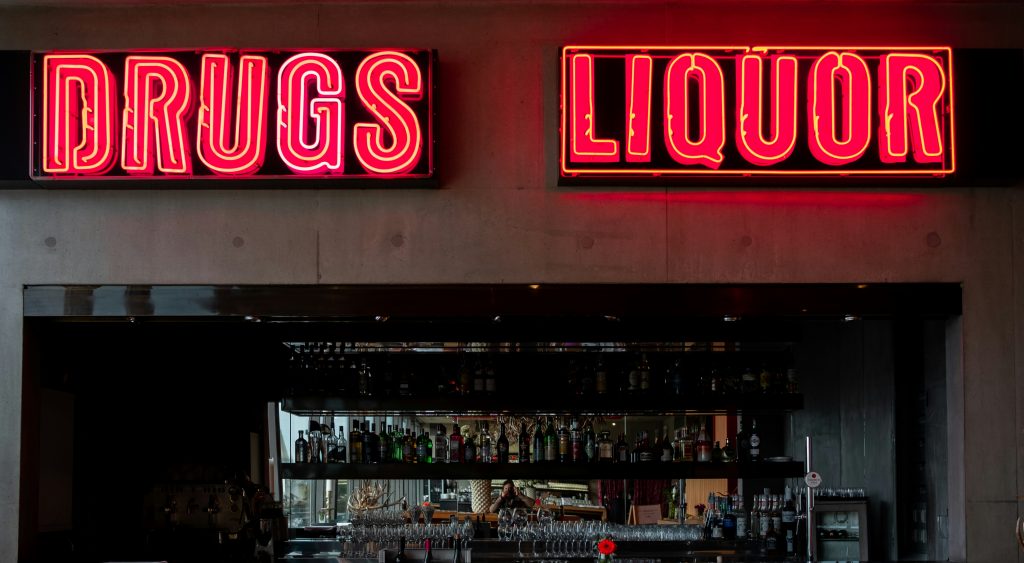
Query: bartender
[510, 497]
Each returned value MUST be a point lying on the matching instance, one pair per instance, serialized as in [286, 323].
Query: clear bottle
[755, 518]
[703, 447]
[486, 449]
[301, 450]
[667, 451]
[589, 444]
[742, 530]
[455, 445]
[502, 445]
[789, 522]
[315, 442]
[331, 442]
[764, 514]
[440, 445]
[342, 445]
[689, 445]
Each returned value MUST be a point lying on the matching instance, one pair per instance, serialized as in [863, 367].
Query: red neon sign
[187, 114]
[698, 95]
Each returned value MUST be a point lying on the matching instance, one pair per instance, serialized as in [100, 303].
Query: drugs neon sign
[222, 114]
[756, 111]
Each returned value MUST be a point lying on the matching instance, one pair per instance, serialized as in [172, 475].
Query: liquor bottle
[729, 520]
[538, 442]
[365, 379]
[605, 448]
[524, 444]
[789, 522]
[355, 444]
[600, 376]
[331, 444]
[409, 447]
[622, 450]
[703, 447]
[575, 443]
[550, 443]
[440, 445]
[754, 443]
[589, 444]
[398, 445]
[677, 447]
[455, 445]
[645, 451]
[502, 445]
[301, 450]
[424, 447]
[342, 445]
[387, 440]
[741, 517]
[728, 451]
[400, 558]
[716, 452]
[367, 449]
[564, 444]
[315, 442]
[372, 444]
[667, 452]
[776, 512]
[469, 453]
[688, 445]
[764, 514]
[771, 539]
[485, 445]
[755, 519]
[426, 551]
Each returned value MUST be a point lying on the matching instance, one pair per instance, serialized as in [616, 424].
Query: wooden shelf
[605, 405]
[686, 470]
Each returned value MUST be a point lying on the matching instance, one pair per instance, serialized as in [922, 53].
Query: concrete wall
[499, 216]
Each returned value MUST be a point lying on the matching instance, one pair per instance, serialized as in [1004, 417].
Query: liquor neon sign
[221, 114]
[756, 111]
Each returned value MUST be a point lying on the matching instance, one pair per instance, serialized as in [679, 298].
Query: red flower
[606, 547]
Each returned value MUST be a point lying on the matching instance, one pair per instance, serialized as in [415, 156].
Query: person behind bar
[510, 497]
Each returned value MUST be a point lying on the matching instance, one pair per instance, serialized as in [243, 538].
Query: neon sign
[185, 115]
[736, 111]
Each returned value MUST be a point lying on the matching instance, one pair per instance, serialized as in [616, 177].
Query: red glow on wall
[770, 198]
[194, 114]
[832, 136]
[79, 115]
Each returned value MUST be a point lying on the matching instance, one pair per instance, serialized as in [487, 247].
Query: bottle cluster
[773, 521]
[333, 368]
[568, 442]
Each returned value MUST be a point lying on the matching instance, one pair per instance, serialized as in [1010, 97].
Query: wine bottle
[301, 449]
[538, 442]
[502, 445]
[550, 443]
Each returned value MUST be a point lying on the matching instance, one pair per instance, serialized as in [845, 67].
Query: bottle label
[741, 526]
[762, 526]
[666, 455]
[777, 522]
[589, 450]
[606, 451]
[551, 451]
[755, 441]
[788, 516]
